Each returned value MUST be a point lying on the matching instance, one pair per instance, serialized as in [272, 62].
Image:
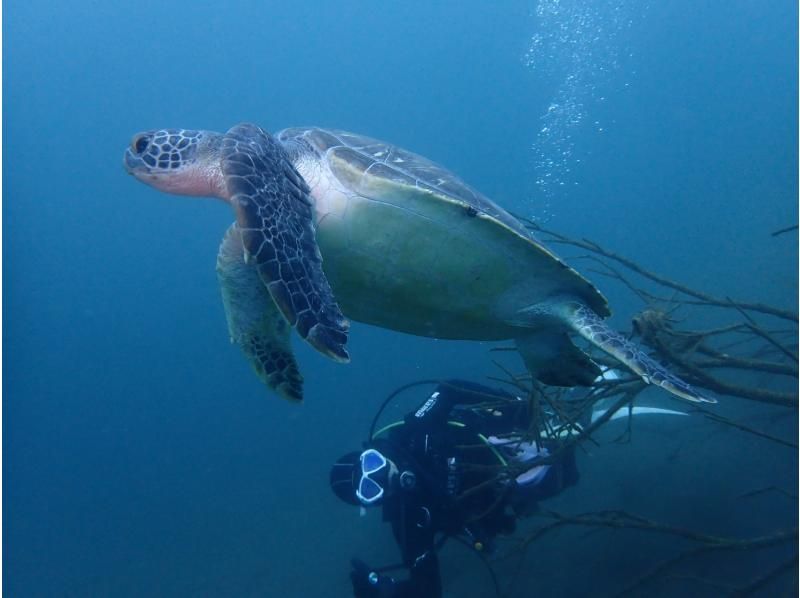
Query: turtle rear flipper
[273, 210]
[254, 321]
[561, 353]
[591, 327]
[552, 358]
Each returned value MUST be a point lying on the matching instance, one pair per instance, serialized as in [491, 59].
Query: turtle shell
[388, 175]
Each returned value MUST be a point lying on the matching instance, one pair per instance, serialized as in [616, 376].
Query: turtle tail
[590, 326]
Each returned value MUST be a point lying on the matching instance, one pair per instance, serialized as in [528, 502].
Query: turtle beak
[132, 163]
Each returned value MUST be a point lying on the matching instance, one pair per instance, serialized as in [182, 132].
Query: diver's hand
[367, 583]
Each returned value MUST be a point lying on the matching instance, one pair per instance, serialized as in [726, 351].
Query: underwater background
[141, 456]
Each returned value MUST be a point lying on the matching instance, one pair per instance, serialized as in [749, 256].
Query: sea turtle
[406, 246]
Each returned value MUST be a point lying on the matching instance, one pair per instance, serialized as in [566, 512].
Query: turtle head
[178, 161]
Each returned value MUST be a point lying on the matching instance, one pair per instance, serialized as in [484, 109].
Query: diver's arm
[423, 580]
[413, 529]
[415, 537]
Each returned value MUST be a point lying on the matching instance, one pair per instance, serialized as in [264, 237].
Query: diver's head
[365, 478]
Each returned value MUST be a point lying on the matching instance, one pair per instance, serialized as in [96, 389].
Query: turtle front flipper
[254, 322]
[273, 210]
[591, 327]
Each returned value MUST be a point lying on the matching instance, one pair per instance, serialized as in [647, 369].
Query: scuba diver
[462, 465]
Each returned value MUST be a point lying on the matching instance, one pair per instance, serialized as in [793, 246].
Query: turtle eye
[140, 144]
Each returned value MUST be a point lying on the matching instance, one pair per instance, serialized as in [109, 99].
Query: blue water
[140, 454]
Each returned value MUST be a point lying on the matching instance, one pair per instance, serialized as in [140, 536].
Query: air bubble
[577, 44]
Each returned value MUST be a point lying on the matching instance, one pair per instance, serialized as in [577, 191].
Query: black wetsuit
[439, 443]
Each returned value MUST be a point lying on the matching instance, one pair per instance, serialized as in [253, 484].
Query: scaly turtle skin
[406, 246]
